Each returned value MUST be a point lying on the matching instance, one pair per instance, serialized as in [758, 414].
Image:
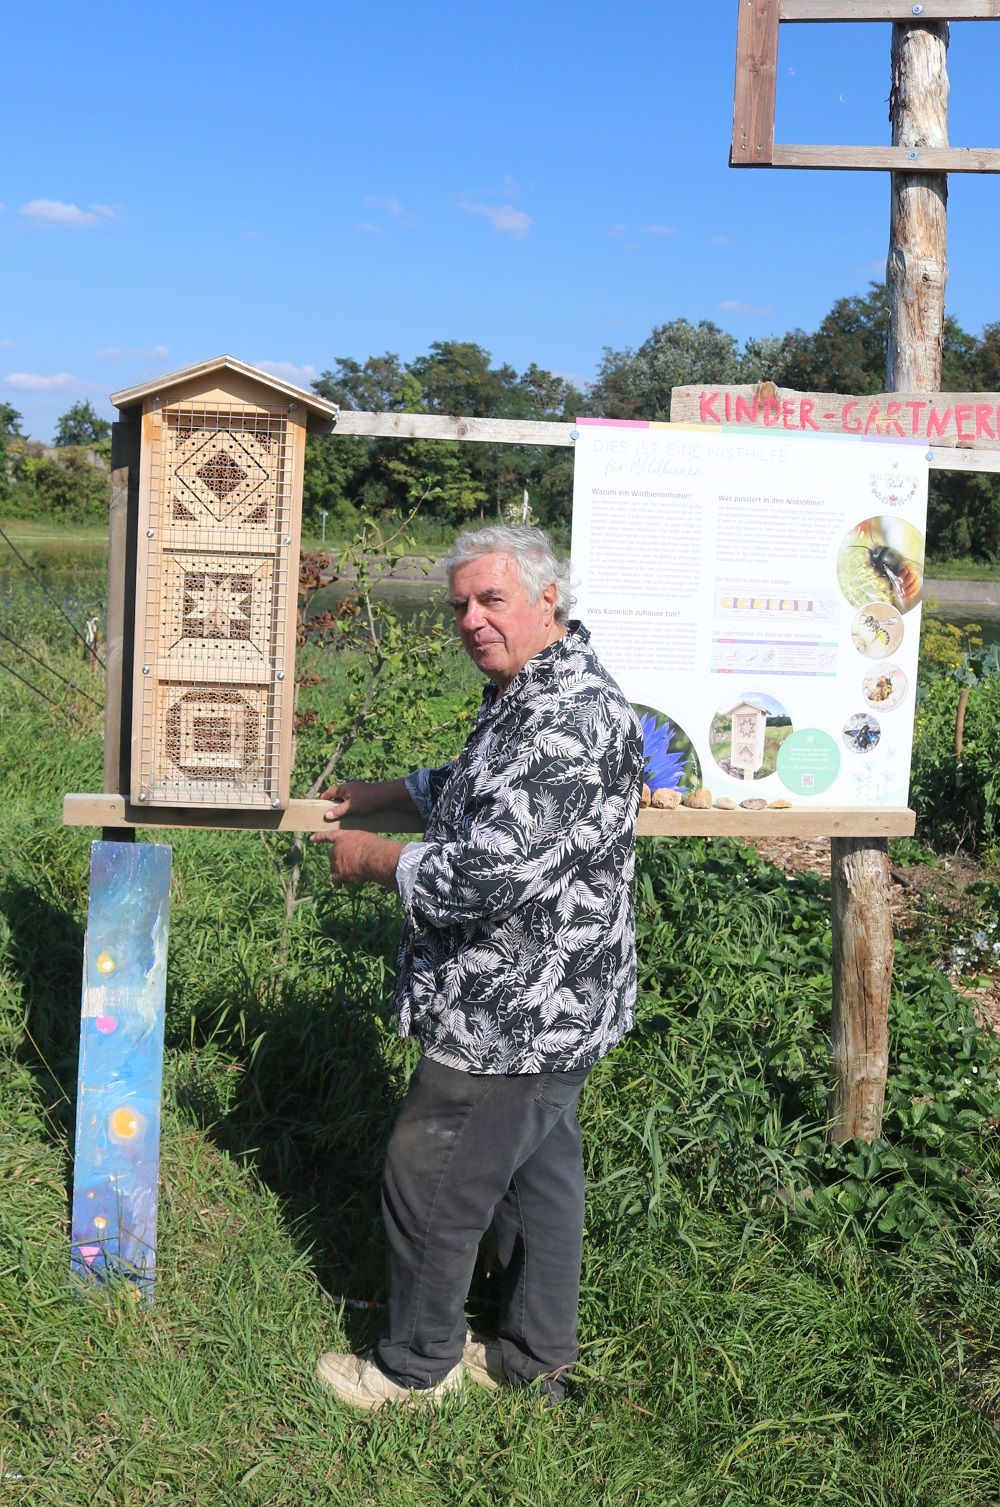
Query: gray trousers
[468, 1150]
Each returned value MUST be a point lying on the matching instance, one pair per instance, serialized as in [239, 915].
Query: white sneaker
[483, 1360]
[358, 1381]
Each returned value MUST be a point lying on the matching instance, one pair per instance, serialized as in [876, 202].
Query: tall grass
[764, 1320]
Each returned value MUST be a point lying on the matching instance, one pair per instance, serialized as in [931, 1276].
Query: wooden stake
[917, 267]
[862, 977]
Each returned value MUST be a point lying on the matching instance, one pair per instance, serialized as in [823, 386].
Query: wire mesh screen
[213, 608]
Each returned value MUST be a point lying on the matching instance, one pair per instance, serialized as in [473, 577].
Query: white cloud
[253, 235]
[121, 353]
[503, 217]
[54, 214]
[658, 230]
[379, 201]
[287, 371]
[370, 228]
[721, 240]
[618, 229]
[734, 306]
[36, 382]
[6, 344]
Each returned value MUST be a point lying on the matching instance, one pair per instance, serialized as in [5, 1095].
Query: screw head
[574, 434]
[142, 795]
[149, 533]
[912, 156]
[275, 803]
[145, 669]
[917, 10]
[281, 675]
[292, 407]
[287, 539]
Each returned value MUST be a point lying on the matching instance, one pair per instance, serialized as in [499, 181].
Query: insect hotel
[208, 652]
[749, 723]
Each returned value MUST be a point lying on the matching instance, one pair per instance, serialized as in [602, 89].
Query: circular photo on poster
[808, 762]
[862, 732]
[885, 688]
[746, 733]
[877, 630]
[882, 560]
[669, 758]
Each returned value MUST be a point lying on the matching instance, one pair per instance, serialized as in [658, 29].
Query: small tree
[82, 425]
[10, 428]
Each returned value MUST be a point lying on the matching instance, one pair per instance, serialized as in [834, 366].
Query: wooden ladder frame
[755, 97]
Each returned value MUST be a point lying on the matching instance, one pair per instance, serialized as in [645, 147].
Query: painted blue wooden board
[121, 1064]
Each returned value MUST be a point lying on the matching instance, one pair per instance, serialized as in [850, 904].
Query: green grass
[764, 1319]
[962, 569]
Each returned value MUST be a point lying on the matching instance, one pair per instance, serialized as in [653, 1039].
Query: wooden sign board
[753, 142]
[951, 419]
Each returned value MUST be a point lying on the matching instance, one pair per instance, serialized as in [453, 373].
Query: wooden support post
[862, 978]
[917, 266]
[862, 921]
[122, 520]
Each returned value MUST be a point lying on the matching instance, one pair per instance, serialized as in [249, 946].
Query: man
[517, 973]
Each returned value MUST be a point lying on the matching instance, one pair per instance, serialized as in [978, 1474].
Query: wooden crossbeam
[111, 811]
[426, 426]
[891, 159]
[888, 10]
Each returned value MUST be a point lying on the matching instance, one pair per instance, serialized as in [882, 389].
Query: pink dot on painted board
[105, 1023]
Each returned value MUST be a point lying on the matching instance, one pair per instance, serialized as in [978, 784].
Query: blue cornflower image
[664, 770]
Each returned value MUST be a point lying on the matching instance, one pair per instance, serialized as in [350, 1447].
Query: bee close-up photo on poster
[757, 595]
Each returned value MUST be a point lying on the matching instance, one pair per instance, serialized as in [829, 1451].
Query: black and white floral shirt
[518, 952]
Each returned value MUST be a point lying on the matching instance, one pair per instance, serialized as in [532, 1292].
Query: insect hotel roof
[216, 573]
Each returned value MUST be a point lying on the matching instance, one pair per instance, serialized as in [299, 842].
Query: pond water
[78, 586]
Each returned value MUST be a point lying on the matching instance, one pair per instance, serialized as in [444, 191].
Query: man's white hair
[530, 550]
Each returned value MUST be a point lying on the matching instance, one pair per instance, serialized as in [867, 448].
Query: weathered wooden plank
[943, 419]
[298, 816]
[756, 82]
[116, 1164]
[882, 159]
[888, 10]
[431, 426]
[307, 816]
[965, 460]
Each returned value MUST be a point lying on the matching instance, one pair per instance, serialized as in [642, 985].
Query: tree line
[349, 477]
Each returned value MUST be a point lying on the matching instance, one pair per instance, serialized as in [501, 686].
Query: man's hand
[362, 797]
[360, 857]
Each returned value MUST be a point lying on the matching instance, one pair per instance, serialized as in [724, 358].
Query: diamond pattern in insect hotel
[214, 608]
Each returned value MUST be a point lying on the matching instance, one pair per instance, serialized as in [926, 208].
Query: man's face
[500, 628]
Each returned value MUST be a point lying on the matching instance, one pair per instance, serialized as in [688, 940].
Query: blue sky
[340, 180]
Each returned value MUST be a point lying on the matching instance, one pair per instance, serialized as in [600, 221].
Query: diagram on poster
[757, 597]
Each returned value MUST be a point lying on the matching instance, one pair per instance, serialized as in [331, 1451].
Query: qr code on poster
[808, 781]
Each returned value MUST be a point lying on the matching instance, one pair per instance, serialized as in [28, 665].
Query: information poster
[757, 597]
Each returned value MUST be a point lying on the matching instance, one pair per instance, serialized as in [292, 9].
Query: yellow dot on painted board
[99, 1221]
[124, 1123]
[106, 963]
